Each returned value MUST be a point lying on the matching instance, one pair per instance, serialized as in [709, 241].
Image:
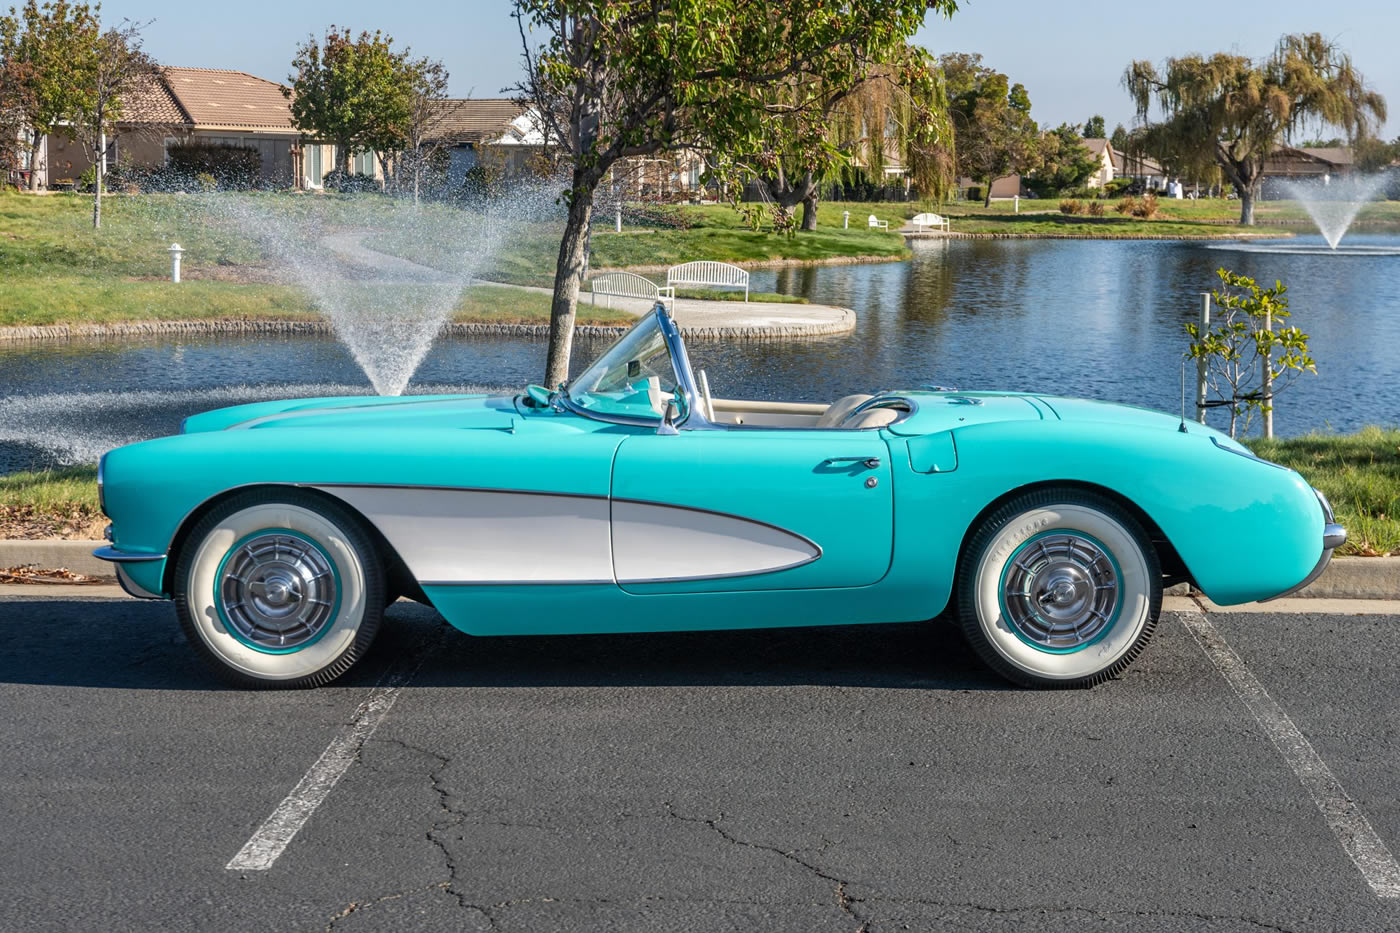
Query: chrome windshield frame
[685, 379]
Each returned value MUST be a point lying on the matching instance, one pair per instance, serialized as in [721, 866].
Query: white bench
[936, 221]
[629, 285]
[708, 273]
[877, 222]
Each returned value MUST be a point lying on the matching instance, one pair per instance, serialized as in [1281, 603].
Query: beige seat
[873, 418]
[839, 409]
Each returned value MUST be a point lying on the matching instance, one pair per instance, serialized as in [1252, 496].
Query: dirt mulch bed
[72, 523]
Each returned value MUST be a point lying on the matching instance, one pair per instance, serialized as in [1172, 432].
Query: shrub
[347, 183]
[1096, 209]
[1127, 206]
[87, 181]
[232, 167]
[974, 193]
[206, 181]
[1147, 207]
[1071, 206]
[1116, 187]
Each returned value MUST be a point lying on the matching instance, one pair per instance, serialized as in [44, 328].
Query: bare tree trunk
[987, 201]
[568, 278]
[1246, 193]
[97, 174]
[809, 211]
[34, 148]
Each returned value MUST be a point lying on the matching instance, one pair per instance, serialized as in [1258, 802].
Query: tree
[995, 135]
[1248, 362]
[1119, 139]
[613, 81]
[355, 92]
[1374, 155]
[111, 71]
[897, 111]
[1094, 129]
[1232, 112]
[426, 84]
[42, 52]
[1064, 162]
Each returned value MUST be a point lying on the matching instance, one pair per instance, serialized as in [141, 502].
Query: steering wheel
[707, 403]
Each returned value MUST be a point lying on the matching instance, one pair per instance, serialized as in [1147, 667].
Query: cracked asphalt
[844, 779]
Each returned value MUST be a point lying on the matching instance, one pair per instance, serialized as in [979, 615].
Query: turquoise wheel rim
[1061, 591]
[277, 591]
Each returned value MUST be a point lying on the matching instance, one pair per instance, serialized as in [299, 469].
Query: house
[1305, 164]
[209, 105]
[1142, 169]
[470, 127]
[1103, 152]
[1003, 188]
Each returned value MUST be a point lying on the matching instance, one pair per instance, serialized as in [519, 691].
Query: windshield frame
[660, 318]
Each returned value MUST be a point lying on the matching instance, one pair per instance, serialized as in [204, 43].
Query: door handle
[872, 463]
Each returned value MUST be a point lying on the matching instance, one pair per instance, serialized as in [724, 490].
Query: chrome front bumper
[120, 559]
[1333, 537]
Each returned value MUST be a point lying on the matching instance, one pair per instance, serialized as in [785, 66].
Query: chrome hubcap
[1060, 591]
[277, 591]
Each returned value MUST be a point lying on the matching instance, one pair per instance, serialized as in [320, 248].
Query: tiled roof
[1095, 144]
[152, 102]
[216, 97]
[1337, 155]
[474, 120]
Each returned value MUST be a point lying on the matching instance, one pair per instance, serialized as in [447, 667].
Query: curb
[1345, 577]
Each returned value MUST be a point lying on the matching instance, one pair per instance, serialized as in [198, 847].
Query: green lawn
[1205, 216]
[1359, 473]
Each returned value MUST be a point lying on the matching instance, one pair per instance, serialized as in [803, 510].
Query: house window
[363, 164]
[312, 164]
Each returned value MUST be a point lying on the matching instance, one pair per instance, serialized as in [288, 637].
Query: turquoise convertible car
[632, 500]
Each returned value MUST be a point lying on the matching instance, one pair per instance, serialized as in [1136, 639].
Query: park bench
[709, 274]
[877, 222]
[629, 285]
[936, 221]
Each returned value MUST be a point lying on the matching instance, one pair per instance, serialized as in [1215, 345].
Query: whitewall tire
[279, 588]
[1059, 588]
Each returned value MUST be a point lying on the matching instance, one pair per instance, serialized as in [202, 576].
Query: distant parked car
[632, 500]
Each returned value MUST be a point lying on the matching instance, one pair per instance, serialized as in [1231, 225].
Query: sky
[1069, 55]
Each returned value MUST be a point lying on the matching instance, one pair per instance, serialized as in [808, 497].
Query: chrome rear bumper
[1333, 537]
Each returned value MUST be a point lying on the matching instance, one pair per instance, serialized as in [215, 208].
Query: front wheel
[279, 588]
[1059, 589]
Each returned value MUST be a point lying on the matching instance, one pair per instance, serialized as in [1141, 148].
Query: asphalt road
[807, 780]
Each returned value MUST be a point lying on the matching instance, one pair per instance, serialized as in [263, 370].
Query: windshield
[634, 377]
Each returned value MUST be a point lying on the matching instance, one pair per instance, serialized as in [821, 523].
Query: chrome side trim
[115, 556]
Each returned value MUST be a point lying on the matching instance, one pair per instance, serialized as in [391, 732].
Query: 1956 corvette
[631, 500]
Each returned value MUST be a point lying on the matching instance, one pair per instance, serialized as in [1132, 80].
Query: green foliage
[1064, 162]
[228, 167]
[1094, 128]
[1230, 112]
[45, 59]
[995, 135]
[357, 92]
[1119, 139]
[1246, 357]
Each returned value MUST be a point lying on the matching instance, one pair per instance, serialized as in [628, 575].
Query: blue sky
[1069, 55]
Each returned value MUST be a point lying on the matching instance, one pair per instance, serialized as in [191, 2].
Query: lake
[1095, 318]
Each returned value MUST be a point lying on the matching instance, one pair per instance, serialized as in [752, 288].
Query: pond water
[1096, 318]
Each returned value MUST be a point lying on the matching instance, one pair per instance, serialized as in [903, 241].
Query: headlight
[101, 496]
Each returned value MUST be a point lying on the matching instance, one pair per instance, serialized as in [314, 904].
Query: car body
[633, 501]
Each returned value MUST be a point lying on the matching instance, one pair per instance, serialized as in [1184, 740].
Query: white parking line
[1360, 842]
[277, 831]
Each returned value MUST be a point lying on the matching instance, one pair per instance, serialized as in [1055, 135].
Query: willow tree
[633, 78]
[896, 114]
[1233, 112]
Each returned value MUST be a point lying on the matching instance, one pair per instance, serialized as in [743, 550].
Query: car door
[751, 509]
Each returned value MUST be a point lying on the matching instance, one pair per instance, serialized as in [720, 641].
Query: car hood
[359, 411]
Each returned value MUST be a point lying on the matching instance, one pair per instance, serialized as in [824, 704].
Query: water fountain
[1333, 205]
[387, 273]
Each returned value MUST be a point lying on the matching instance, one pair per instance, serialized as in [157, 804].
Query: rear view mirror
[634, 369]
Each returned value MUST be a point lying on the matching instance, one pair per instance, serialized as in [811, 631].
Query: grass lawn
[1359, 473]
[1218, 216]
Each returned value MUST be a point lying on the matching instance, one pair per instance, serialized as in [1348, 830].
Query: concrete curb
[1012, 235]
[1345, 578]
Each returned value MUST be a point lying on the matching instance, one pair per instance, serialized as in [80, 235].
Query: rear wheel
[279, 588]
[1059, 589]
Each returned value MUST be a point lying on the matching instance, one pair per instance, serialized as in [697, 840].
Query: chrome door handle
[872, 463]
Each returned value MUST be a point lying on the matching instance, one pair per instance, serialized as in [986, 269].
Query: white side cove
[652, 543]
[453, 536]
[464, 536]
